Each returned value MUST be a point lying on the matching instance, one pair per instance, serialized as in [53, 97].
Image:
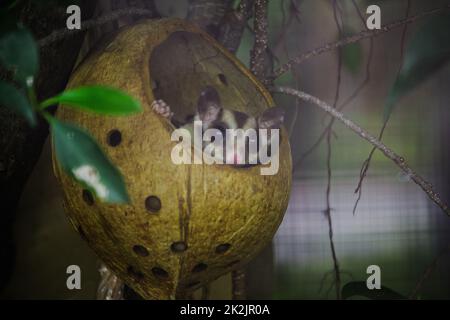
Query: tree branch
[389, 153]
[258, 53]
[233, 25]
[257, 66]
[352, 39]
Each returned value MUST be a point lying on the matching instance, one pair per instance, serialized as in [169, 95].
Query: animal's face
[247, 140]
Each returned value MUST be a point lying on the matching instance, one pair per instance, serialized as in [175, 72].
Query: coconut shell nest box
[186, 225]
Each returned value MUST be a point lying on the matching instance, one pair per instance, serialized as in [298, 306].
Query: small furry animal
[214, 116]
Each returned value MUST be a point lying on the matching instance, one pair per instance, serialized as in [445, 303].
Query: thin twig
[366, 163]
[359, 189]
[340, 108]
[88, 24]
[245, 8]
[294, 15]
[388, 152]
[322, 281]
[257, 66]
[352, 39]
[296, 106]
[233, 25]
[337, 274]
[258, 53]
[293, 12]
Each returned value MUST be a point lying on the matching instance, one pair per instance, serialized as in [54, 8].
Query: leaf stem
[47, 103]
[47, 116]
[32, 97]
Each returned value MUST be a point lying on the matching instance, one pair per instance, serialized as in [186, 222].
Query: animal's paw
[162, 108]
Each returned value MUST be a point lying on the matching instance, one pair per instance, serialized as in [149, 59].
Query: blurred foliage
[19, 54]
[76, 151]
[13, 98]
[427, 51]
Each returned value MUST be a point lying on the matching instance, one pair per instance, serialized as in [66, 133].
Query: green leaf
[352, 54]
[428, 50]
[99, 99]
[81, 157]
[359, 288]
[14, 99]
[19, 54]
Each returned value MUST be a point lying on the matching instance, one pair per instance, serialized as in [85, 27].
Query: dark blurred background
[395, 225]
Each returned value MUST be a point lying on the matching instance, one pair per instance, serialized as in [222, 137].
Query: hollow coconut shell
[186, 225]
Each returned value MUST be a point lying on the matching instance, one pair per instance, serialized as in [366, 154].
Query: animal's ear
[271, 118]
[209, 104]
